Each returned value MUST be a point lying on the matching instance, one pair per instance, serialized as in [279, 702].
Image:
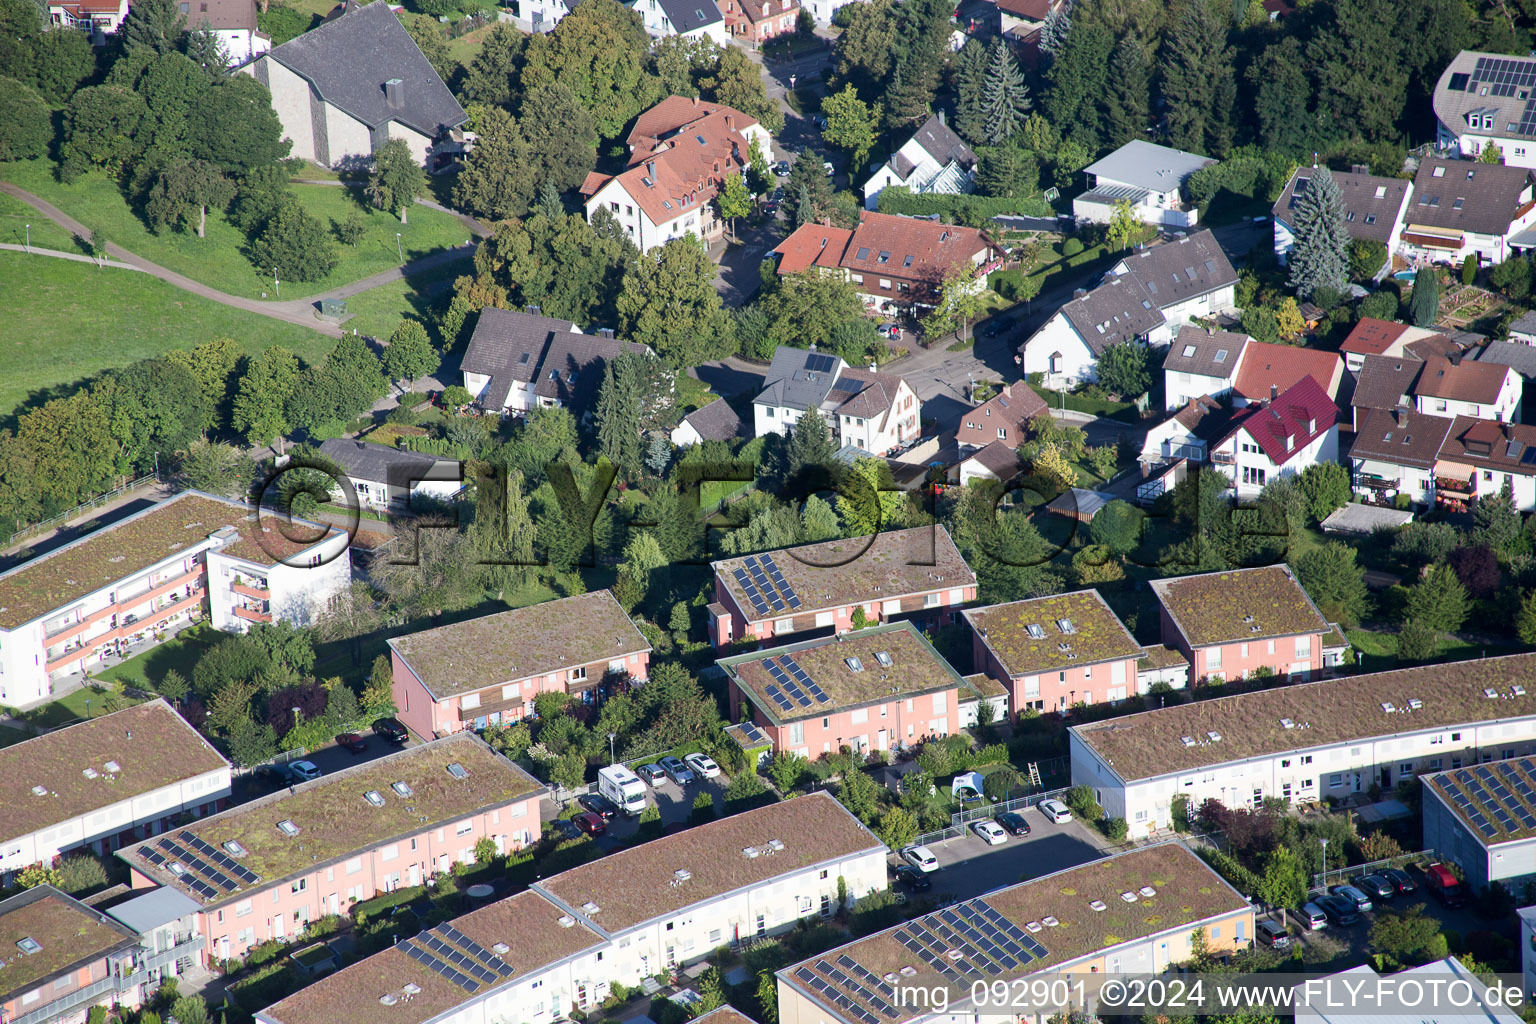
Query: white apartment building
[867, 409]
[105, 782]
[127, 583]
[1307, 741]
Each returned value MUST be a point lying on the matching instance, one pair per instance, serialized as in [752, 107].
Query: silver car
[677, 771]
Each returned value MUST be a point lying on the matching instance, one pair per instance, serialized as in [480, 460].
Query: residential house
[1134, 913]
[1385, 383]
[996, 461]
[1020, 21]
[984, 690]
[1229, 624]
[1270, 369]
[1147, 176]
[487, 670]
[1372, 337]
[387, 479]
[1481, 457]
[1267, 441]
[1480, 100]
[1469, 821]
[877, 689]
[1517, 355]
[933, 161]
[125, 585]
[1304, 743]
[1201, 362]
[681, 152]
[233, 23]
[1143, 298]
[898, 264]
[772, 597]
[165, 921]
[63, 959]
[1527, 946]
[1005, 417]
[98, 17]
[1464, 387]
[113, 779]
[691, 19]
[1055, 652]
[1463, 208]
[1394, 453]
[1318, 1000]
[1522, 329]
[1374, 207]
[1187, 434]
[754, 22]
[1161, 664]
[716, 421]
[518, 362]
[265, 869]
[544, 15]
[871, 411]
[347, 86]
[560, 947]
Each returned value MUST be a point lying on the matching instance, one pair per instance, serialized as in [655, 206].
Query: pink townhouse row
[882, 688]
[1054, 652]
[487, 671]
[265, 869]
[1229, 624]
[59, 958]
[783, 595]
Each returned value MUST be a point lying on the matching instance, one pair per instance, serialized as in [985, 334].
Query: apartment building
[61, 958]
[265, 869]
[873, 689]
[558, 947]
[1054, 652]
[1133, 913]
[1307, 741]
[100, 784]
[190, 556]
[1229, 624]
[913, 574]
[487, 671]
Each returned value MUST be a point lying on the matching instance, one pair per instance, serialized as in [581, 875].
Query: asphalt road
[968, 867]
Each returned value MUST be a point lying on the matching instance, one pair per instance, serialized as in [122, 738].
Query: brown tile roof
[1204, 417]
[1206, 352]
[1029, 10]
[528, 925]
[637, 885]
[1098, 635]
[1371, 202]
[1386, 382]
[1464, 195]
[675, 113]
[1400, 437]
[1435, 345]
[592, 182]
[1372, 336]
[224, 14]
[812, 245]
[869, 394]
[1186, 893]
[522, 642]
[335, 820]
[905, 247]
[152, 745]
[838, 573]
[71, 936]
[1151, 743]
[1011, 408]
[999, 458]
[1463, 381]
[1267, 365]
[1507, 447]
[916, 668]
[1239, 606]
[685, 174]
[754, 9]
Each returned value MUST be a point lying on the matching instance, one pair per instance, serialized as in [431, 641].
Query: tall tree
[864, 52]
[733, 200]
[1196, 64]
[1127, 106]
[909, 100]
[498, 179]
[65, 60]
[565, 266]
[1424, 303]
[153, 24]
[1005, 97]
[236, 127]
[266, 384]
[618, 416]
[181, 196]
[669, 302]
[1077, 78]
[1320, 256]
[213, 365]
[433, 44]
[850, 126]
[100, 125]
[493, 75]
[970, 72]
[396, 179]
[156, 408]
[1055, 28]
[409, 354]
[205, 49]
[561, 135]
[1357, 57]
[600, 53]
[294, 245]
[1281, 94]
[810, 444]
[736, 80]
[26, 124]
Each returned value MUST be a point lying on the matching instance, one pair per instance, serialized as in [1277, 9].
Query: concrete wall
[292, 99]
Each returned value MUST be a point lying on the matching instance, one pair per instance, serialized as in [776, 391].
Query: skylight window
[885, 257]
[522, 360]
[458, 771]
[1189, 350]
[29, 945]
[233, 848]
[1036, 631]
[666, 204]
[1221, 355]
[113, 767]
[1438, 172]
[884, 658]
[402, 789]
[1381, 191]
[1066, 626]
[287, 827]
[855, 664]
[701, 140]
[863, 253]
[1457, 204]
[374, 797]
[908, 261]
[1370, 218]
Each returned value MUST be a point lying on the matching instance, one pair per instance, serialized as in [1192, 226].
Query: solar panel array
[219, 857]
[455, 956]
[752, 733]
[207, 872]
[764, 585]
[1496, 797]
[795, 686]
[820, 363]
[1506, 77]
[984, 940]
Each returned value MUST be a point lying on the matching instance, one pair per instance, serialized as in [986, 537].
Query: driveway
[675, 803]
[969, 867]
[737, 278]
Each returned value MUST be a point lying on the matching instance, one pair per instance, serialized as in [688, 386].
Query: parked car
[1446, 887]
[653, 774]
[676, 771]
[567, 828]
[703, 765]
[599, 805]
[591, 824]
[1375, 886]
[890, 330]
[1272, 935]
[352, 743]
[1340, 911]
[771, 208]
[1311, 917]
[1401, 880]
[912, 878]
[303, 771]
[990, 831]
[781, 168]
[1361, 901]
[1014, 823]
[921, 858]
[1057, 811]
[391, 730]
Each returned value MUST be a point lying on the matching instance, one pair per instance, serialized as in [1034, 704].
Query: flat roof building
[1482, 817]
[61, 958]
[1229, 624]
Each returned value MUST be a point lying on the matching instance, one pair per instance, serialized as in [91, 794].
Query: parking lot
[969, 867]
[675, 803]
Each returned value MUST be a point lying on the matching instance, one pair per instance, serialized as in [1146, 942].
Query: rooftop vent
[954, 954]
[401, 789]
[500, 947]
[682, 874]
[29, 946]
[1036, 631]
[234, 849]
[751, 852]
[884, 658]
[1099, 905]
[1049, 922]
[1488, 692]
[176, 868]
[1033, 926]
[1415, 704]
[890, 976]
[1517, 690]
[590, 908]
[113, 766]
[374, 797]
[389, 999]
[1129, 897]
[908, 970]
[90, 773]
[39, 790]
[287, 827]
[1286, 723]
[1247, 618]
[1388, 706]
[567, 921]
[855, 664]
[1147, 890]
[1213, 736]
[410, 988]
[1188, 741]
[775, 845]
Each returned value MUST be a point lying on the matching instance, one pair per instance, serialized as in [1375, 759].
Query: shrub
[1380, 305]
[1082, 803]
[80, 873]
[1071, 247]
[1115, 829]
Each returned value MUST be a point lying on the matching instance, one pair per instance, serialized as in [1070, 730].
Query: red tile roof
[812, 245]
[1289, 423]
[1466, 381]
[675, 113]
[593, 181]
[683, 172]
[1267, 365]
[1011, 408]
[1029, 10]
[884, 245]
[754, 9]
[1372, 336]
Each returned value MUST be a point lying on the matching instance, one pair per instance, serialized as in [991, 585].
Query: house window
[578, 675]
[470, 700]
[299, 886]
[796, 734]
[783, 625]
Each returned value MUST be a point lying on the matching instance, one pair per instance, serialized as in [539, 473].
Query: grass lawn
[1376, 650]
[180, 653]
[378, 311]
[219, 260]
[67, 321]
[15, 215]
[72, 707]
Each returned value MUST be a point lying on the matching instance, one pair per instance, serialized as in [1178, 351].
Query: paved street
[969, 867]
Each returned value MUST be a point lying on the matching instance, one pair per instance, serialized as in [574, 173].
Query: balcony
[1452, 487]
[1376, 482]
[246, 590]
[251, 615]
[140, 623]
[1224, 458]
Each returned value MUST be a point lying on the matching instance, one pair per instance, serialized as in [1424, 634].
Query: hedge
[973, 211]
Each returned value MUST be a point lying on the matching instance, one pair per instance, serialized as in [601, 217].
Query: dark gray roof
[560, 361]
[349, 60]
[1208, 353]
[1385, 382]
[572, 368]
[688, 15]
[1148, 165]
[798, 379]
[1468, 196]
[1371, 202]
[716, 421]
[379, 463]
[1521, 358]
[1400, 437]
[1525, 323]
[1118, 310]
[1182, 269]
[943, 144]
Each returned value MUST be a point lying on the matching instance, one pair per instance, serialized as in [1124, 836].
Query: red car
[353, 743]
[591, 824]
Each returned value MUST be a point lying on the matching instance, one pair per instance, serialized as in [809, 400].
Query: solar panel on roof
[154, 858]
[778, 698]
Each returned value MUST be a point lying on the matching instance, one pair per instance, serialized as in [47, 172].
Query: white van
[623, 787]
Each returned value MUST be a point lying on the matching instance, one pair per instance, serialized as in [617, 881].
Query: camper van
[623, 787]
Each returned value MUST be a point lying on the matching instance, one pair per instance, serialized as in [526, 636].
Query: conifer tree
[618, 417]
[206, 51]
[1320, 256]
[1053, 33]
[1196, 62]
[1005, 97]
[810, 444]
[970, 82]
[1424, 303]
[157, 24]
[549, 203]
[1126, 106]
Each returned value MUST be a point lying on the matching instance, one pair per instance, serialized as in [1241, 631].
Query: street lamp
[276, 286]
[87, 707]
[610, 748]
[1325, 861]
[295, 711]
[398, 252]
[29, 238]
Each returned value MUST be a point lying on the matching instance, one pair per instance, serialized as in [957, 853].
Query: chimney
[1274, 392]
[695, 101]
[650, 169]
[941, 116]
[605, 332]
[1399, 415]
[533, 310]
[1080, 293]
[1359, 169]
[394, 93]
[730, 122]
[873, 366]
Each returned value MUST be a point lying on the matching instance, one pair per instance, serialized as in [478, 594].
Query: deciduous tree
[600, 53]
[669, 303]
[410, 354]
[294, 245]
[851, 124]
[182, 194]
[265, 387]
[26, 125]
[235, 126]
[396, 179]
